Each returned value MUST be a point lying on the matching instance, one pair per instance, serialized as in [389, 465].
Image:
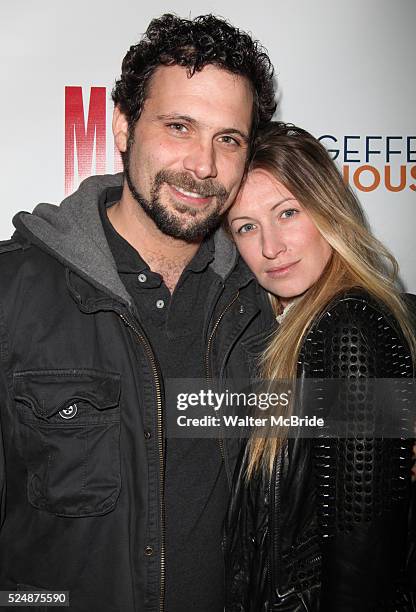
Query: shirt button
[148, 551]
[160, 304]
[147, 435]
[142, 278]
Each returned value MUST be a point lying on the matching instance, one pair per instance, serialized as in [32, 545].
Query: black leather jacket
[330, 529]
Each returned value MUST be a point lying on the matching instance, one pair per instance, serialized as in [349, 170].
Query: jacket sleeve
[3, 399]
[363, 484]
[246, 531]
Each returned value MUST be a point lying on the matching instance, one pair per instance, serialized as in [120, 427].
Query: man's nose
[200, 160]
[272, 242]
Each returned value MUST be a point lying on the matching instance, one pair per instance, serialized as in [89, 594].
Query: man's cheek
[232, 194]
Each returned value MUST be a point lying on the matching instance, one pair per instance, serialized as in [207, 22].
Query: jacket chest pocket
[69, 424]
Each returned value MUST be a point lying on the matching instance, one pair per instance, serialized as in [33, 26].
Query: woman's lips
[186, 197]
[279, 271]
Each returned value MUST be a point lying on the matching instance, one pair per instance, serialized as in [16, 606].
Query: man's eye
[289, 213]
[229, 140]
[247, 227]
[177, 127]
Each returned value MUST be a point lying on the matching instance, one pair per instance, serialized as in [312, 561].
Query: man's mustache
[206, 188]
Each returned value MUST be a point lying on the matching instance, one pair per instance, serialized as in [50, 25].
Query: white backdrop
[345, 69]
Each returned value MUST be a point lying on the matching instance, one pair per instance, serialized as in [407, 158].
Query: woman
[321, 523]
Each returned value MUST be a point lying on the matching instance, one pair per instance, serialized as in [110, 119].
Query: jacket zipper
[275, 528]
[269, 562]
[274, 484]
[314, 559]
[207, 368]
[142, 338]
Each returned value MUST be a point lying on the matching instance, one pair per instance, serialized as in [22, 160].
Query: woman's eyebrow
[282, 202]
[272, 208]
[239, 218]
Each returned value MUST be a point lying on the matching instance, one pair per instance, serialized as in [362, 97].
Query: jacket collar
[73, 233]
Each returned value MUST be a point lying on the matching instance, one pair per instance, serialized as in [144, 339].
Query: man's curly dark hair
[195, 43]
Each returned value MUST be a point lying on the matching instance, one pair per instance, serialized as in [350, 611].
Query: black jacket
[81, 408]
[332, 529]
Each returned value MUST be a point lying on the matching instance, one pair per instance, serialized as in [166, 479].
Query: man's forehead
[167, 74]
[172, 90]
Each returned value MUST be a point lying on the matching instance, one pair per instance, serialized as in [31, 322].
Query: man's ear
[120, 129]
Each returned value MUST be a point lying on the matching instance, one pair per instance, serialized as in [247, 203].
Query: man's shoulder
[11, 256]
[8, 246]
[17, 256]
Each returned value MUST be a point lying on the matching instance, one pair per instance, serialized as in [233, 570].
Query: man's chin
[177, 227]
[182, 211]
[177, 219]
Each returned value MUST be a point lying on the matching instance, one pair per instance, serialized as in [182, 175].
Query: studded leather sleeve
[362, 483]
[3, 399]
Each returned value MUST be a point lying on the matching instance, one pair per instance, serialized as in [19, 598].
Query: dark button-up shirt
[196, 490]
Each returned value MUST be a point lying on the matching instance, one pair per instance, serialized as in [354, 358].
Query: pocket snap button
[70, 412]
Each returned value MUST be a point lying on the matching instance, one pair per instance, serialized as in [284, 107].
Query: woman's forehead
[261, 190]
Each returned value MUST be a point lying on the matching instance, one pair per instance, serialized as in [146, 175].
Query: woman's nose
[272, 243]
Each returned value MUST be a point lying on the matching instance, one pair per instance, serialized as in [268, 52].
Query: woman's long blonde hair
[302, 164]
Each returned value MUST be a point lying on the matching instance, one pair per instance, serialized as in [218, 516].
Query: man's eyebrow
[192, 121]
[176, 117]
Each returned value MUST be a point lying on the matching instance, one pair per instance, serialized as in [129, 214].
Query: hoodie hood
[74, 234]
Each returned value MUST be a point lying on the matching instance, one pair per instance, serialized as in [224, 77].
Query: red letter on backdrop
[76, 135]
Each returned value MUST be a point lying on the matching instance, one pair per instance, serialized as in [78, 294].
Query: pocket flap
[50, 391]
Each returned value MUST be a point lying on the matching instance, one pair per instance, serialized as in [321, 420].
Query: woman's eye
[289, 213]
[247, 227]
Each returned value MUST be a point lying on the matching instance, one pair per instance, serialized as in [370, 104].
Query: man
[104, 298]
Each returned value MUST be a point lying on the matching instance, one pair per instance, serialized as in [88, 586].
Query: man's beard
[169, 223]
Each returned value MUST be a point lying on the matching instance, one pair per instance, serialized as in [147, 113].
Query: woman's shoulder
[355, 308]
[357, 333]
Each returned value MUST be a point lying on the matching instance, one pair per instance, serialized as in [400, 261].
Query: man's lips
[278, 271]
[190, 197]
